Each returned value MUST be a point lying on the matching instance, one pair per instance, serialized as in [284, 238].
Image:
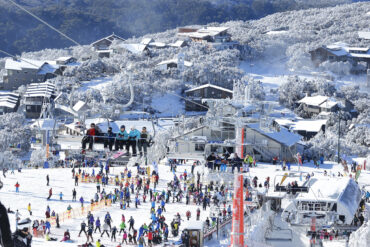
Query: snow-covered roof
[134, 48]
[48, 69]
[313, 100]
[45, 89]
[209, 85]
[146, 41]
[343, 49]
[63, 59]
[344, 191]
[44, 124]
[302, 125]
[109, 38]
[283, 136]
[79, 105]
[205, 32]
[328, 104]
[178, 43]
[157, 44]
[23, 63]
[175, 60]
[8, 99]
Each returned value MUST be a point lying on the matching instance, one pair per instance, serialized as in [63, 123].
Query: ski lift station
[333, 201]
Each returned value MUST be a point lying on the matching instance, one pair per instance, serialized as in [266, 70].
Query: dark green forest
[89, 20]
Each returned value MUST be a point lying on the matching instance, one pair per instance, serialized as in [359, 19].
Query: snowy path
[33, 190]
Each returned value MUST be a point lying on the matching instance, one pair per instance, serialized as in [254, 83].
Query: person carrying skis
[133, 136]
[122, 139]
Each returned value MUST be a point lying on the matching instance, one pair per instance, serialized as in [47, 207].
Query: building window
[199, 147]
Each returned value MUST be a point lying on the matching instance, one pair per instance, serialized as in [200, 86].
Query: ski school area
[88, 201]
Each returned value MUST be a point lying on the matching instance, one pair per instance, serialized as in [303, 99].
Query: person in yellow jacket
[248, 160]
[29, 208]
[98, 244]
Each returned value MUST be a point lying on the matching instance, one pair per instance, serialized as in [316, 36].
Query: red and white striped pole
[237, 227]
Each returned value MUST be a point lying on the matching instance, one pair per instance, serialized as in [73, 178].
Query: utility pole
[339, 138]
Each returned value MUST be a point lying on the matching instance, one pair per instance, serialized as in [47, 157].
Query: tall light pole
[339, 137]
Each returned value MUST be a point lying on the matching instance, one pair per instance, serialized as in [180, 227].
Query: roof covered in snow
[44, 124]
[8, 99]
[205, 32]
[79, 105]
[209, 85]
[109, 38]
[283, 136]
[313, 100]
[134, 48]
[310, 125]
[178, 43]
[344, 191]
[23, 63]
[343, 49]
[175, 60]
[45, 89]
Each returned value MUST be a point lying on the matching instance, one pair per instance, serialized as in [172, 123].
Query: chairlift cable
[44, 22]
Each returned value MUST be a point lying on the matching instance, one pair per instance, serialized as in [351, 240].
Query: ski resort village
[242, 133]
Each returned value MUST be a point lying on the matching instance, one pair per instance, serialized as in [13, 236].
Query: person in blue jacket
[133, 136]
[122, 139]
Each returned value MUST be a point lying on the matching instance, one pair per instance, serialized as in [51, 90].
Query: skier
[114, 231]
[188, 214]
[133, 136]
[17, 187]
[50, 193]
[82, 201]
[47, 180]
[131, 222]
[29, 208]
[74, 193]
[61, 196]
[97, 225]
[198, 214]
[90, 229]
[144, 142]
[89, 137]
[83, 229]
[122, 139]
[76, 180]
[105, 229]
[109, 140]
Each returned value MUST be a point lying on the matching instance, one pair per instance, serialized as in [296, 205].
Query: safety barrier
[82, 211]
[112, 181]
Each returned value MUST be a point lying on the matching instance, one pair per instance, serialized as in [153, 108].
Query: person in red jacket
[17, 187]
[89, 137]
[150, 238]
